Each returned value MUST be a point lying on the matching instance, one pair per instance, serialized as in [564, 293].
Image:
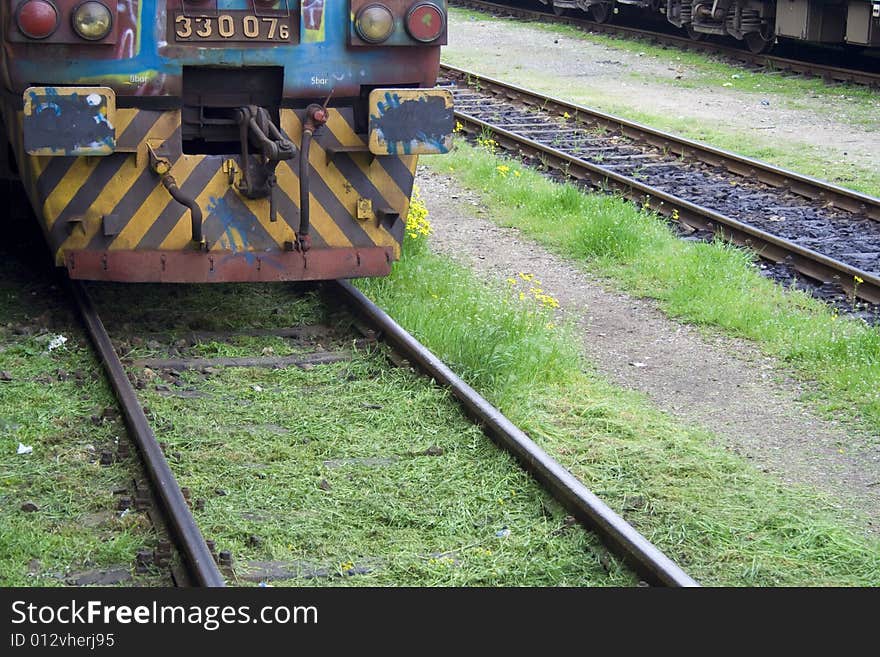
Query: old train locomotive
[221, 140]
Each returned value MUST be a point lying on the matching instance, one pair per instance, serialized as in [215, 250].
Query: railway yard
[657, 274]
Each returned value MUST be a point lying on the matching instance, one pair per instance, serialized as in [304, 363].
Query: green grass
[507, 356]
[343, 480]
[722, 520]
[279, 444]
[328, 467]
[845, 104]
[48, 404]
[712, 285]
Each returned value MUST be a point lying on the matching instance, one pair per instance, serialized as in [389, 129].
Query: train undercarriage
[757, 23]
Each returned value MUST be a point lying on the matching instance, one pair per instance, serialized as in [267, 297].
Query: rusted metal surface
[176, 98]
[195, 212]
[650, 562]
[200, 564]
[258, 179]
[227, 266]
[315, 118]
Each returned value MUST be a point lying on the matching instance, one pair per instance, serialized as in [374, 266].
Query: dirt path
[725, 385]
[612, 78]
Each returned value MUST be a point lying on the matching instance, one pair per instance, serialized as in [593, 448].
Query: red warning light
[425, 22]
[37, 19]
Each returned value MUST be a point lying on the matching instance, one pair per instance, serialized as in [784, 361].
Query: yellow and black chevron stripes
[116, 203]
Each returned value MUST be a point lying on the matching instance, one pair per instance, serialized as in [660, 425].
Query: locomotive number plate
[233, 26]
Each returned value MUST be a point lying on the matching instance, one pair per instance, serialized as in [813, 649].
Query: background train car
[759, 23]
[221, 140]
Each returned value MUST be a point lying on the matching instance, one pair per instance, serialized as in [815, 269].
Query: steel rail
[621, 537]
[198, 561]
[806, 186]
[826, 72]
[772, 247]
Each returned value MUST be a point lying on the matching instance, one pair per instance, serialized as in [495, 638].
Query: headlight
[374, 23]
[92, 20]
[425, 22]
[37, 19]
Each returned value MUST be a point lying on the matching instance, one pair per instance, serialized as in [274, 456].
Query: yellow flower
[517, 174]
[547, 301]
[488, 143]
[566, 115]
[859, 280]
[512, 281]
[417, 224]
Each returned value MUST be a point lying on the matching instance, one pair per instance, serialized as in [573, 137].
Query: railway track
[198, 558]
[830, 74]
[826, 232]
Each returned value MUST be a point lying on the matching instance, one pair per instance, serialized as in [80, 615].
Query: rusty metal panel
[69, 121]
[411, 121]
[227, 266]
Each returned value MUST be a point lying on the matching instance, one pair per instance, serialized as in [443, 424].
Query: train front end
[222, 140]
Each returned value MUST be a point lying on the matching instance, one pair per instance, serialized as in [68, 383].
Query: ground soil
[746, 399]
[608, 78]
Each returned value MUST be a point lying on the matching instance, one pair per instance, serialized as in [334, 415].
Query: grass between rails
[851, 105]
[355, 467]
[47, 403]
[726, 523]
